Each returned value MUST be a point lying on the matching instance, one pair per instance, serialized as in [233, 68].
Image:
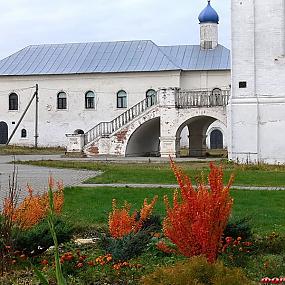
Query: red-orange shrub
[122, 222]
[34, 207]
[197, 219]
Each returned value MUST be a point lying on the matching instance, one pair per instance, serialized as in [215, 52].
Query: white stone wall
[205, 79]
[54, 123]
[256, 115]
[208, 33]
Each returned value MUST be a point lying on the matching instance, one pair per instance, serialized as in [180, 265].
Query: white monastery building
[256, 113]
[127, 98]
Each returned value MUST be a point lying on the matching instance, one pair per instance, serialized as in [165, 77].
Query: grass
[90, 206]
[18, 150]
[160, 173]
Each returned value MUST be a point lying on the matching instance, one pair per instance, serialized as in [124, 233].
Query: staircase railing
[104, 129]
[204, 98]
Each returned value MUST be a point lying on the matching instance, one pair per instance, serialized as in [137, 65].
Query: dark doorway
[216, 139]
[3, 133]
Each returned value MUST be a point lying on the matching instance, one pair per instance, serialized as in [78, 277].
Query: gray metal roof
[192, 57]
[104, 57]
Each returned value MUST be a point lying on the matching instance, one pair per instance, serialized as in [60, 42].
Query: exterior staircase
[106, 129]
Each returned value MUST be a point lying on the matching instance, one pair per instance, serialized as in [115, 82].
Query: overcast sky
[166, 22]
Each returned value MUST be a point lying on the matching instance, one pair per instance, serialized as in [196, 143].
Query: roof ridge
[167, 56]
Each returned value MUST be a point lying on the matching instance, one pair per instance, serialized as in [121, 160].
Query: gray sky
[26, 22]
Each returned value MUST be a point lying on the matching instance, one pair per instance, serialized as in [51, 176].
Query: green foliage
[125, 248]
[153, 223]
[239, 228]
[268, 265]
[38, 239]
[196, 271]
[272, 244]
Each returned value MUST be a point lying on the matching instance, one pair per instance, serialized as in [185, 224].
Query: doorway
[3, 133]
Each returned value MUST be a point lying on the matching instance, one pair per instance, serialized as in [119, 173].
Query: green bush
[127, 247]
[153, 223]
[272, 244]
[196, 271]
[239, 228]
[268, 265]
[38, 239]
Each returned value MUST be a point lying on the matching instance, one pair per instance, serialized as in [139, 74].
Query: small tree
[198, 217]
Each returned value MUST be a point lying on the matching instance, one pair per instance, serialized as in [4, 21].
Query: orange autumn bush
[34, 208]
[196, 220]
[122, 222]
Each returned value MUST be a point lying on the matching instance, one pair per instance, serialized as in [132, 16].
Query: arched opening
[79, 132]
[216, 139]
[145, 140]
[3, 133]
[197, 128]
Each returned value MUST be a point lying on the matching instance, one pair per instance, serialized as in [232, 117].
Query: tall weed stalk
[51, 221]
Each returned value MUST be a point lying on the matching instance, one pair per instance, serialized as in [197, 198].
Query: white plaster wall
[209, 33]
[256, 114]
[53, 123]
[205, 79]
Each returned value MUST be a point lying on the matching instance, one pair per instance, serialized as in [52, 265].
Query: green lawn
[262, 175]
[19, 150]
[90, 206]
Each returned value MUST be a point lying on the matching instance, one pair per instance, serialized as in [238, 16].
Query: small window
[242, 84]
[61, 100]
[150, 97]
[23, 133]
[13, 101]
[122, 99]
[89, 100]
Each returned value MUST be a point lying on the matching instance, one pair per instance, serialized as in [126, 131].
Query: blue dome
[209, 15]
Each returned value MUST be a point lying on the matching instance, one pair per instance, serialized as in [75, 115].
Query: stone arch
[3, 132]
[144, 141]
[197, 126]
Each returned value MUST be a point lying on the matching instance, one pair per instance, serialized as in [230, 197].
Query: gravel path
[237, 187]
[36, 176]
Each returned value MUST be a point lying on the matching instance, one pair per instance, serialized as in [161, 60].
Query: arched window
[150, 97]
[122, 99]
[23, 133]
[61, 100]
[79, 132]
[13, 101]
[89, 100]
[216, 139]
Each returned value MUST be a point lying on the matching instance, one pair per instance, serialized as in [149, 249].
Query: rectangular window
[89, 103]
[242, 84]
